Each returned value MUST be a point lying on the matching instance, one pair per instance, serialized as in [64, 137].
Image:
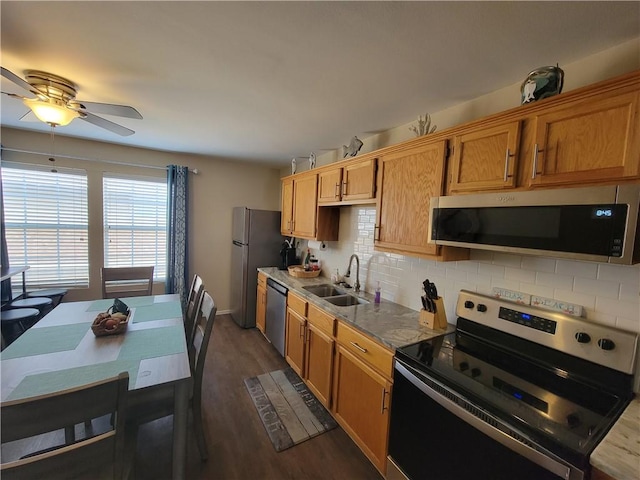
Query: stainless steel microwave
[595, 223]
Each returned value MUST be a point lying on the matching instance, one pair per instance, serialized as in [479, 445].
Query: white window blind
[135, 223]
[46, 221]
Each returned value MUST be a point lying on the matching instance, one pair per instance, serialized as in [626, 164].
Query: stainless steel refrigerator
[256, 243]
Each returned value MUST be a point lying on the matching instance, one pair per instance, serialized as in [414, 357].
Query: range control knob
[463, 366]
[475, 372]
[583, 337]
[606, 344]
[481, 308]
[468, 304]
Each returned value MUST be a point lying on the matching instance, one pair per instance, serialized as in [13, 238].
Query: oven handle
[544, 461]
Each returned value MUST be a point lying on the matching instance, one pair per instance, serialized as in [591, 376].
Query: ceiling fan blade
[20, 82]
[104, 123]
[14, 95]
[108, 109]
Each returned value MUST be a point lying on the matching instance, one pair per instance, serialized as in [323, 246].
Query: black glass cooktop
[554, 407]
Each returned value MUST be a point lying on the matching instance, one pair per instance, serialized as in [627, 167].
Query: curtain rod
[195, 171]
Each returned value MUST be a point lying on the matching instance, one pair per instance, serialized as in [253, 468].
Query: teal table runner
[38, 341]
[103, 305]
[158, 311]
[154, 342]
[49, 382]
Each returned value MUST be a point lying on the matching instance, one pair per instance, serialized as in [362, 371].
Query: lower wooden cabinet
[261, 303]
[348, 372]
[295, 341]
[319, 363]
[361, 400]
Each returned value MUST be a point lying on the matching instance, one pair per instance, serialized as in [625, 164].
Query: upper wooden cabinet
[407, 179]
[485, 158]
[354, 182]
[590, 141]
[585, 136]
[300, 215]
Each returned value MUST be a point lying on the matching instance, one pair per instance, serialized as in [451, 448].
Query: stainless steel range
[515, 392]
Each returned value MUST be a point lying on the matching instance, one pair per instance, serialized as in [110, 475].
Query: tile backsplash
[610, 294]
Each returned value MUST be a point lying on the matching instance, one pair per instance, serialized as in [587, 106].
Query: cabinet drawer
[297, 304]
[366, 349]
[262, 280]
[321, 320]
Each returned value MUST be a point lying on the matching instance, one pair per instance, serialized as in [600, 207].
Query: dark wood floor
[239, 447]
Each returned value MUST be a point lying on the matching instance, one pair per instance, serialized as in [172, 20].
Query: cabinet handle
[383, 407]
[344, 188]
[363, 350]
[536, 150]
[301, 330]
[376, 232]
[337, 190]
[506, 164]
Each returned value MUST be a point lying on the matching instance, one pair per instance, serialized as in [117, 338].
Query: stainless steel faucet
[356, 286]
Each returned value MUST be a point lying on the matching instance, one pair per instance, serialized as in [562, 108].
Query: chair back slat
[33, 416]
[120, 282]
[202, 335]
[193, 303]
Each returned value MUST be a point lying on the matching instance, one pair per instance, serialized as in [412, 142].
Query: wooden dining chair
[193, 303]
[118, 282]
[98, 456]
[139, 415]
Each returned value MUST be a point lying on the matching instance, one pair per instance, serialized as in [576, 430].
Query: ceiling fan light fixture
[51, 112]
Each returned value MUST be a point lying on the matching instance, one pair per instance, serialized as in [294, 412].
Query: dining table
[61, 352]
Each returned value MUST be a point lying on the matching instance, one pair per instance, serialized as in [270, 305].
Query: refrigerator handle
[235, 242]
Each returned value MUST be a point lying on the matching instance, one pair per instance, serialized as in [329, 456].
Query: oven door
[436, 434]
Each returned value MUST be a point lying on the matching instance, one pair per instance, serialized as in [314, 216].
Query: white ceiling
[272, 80]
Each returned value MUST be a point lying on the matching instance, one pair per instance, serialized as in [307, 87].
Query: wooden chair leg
[199, 430]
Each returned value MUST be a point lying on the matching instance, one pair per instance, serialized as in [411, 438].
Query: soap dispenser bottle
[376, 299]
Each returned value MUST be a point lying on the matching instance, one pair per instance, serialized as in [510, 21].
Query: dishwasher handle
[278, 287]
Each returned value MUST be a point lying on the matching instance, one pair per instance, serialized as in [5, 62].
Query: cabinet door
[329, 186]
[319, 364]
[485, 159]
[406, 181]
[305, 190]
[286, 220]
[361, 405]
[295, 341]
[261, 308]
[588, 142]
[359, 181]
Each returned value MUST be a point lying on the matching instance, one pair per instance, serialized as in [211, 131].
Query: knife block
[434, 321]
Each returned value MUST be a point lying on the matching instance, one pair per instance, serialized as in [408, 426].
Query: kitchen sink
[345, 300]
[324, 290]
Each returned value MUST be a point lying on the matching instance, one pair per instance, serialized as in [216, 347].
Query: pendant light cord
[52, 158]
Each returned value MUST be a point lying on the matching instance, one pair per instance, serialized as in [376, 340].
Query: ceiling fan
[54, 102]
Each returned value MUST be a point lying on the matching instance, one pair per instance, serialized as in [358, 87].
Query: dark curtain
[177, 275]
[5, 286]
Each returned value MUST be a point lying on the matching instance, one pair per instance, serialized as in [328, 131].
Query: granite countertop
[391, 324]
[618, 454]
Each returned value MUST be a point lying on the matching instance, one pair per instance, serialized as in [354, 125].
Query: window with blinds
[46, 219]
[135, 223]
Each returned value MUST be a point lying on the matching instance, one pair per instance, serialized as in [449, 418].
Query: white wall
[219, 186]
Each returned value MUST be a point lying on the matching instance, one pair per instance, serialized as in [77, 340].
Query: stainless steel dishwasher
[276, 312]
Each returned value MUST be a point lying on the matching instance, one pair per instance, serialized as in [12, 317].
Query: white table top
[152, 350]
[9, 272]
